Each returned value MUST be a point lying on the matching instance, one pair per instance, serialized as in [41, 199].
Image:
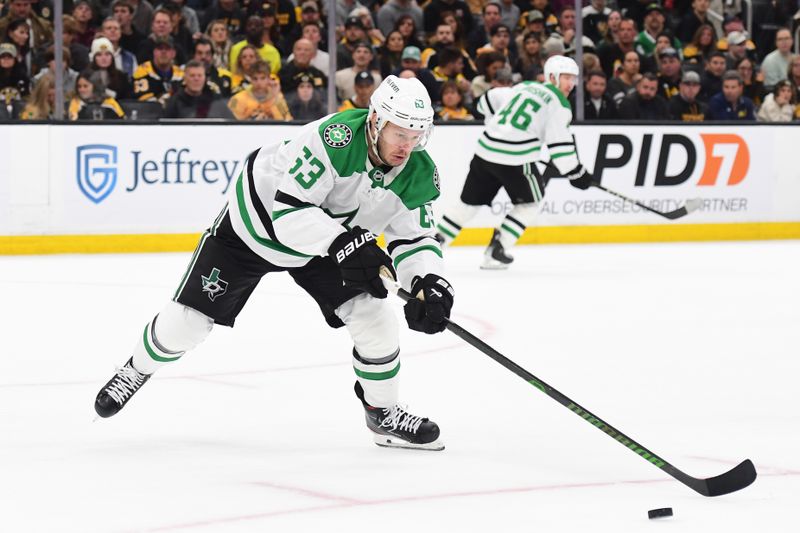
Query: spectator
[309, 14]
[142, 15]
[364, 87]
[219, 80]
[42, 100]
[753, 81]
[229, 12]
[445, 38]
[408, 28]
[534, 25]
[79, 53]
[69, 78]
[624, 83]
[41, 30]
[157, 80]
[433, 10]
[259, 39]
[180, 33]
[190, 18]
[702, 45]
[669, 75]
[161, 28]
[776, 63]
[452, 99]
[736, 44]
[102, 61]
[285, 13]
[262, 100]
[389, 54]
[685, 106]
[459, 33]
[612, 30]
[18, 34]
[591, 62]
[712, 76]
[124, 60]
[374, 35]
[450, 69]
[645, 103]
[488, 65]
[83, 15]
[733, 24]
[194, 99]
[272, 28]
[692, 20]
[597, 105]
[217, 33]
[612, 56]
[411, 59]
[241, 70]
[354, 33]
[530, 54]
[566, 29]
[345, 78]
[663, 41]
[730, 104]
[306, 103]
[654, 20]
[91, 101]
[553, 46]
[793, 77]
[320, 59]
[778, 106]
[389, 15]
[499, 40]
[14, 82]
[480, 34]
[595, 20]
[299, 69]
[130, 38]
[510, 13]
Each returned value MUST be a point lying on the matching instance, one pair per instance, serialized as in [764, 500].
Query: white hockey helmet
[404, 102]
[558, 65]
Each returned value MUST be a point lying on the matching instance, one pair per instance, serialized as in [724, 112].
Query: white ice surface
[692, 349]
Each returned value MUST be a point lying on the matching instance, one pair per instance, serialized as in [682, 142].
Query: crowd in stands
[681, 60]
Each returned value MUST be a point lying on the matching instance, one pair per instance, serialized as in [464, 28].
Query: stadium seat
[136, 110]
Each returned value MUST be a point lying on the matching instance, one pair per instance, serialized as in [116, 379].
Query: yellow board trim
[185, 242]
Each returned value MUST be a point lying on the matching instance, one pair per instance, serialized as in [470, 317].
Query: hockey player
[519, 121]
[312, 207]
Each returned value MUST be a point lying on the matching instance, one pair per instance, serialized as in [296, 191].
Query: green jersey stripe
[509, 152]
[405, 255]
[278, 214]
[556, 156]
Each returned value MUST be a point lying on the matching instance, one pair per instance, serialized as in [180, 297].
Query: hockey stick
[690, 206]
[735, 479]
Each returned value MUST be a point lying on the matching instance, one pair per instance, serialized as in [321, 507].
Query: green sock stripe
[378, 376]
[446, 231]
[151, 352]
[511, 231]
[405, 255]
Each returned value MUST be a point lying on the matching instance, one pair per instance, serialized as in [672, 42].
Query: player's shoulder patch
[337, 135]
[418, 183]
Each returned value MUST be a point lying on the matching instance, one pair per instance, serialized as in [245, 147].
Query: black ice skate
[119, 390]
[495, 257]
[394, 427]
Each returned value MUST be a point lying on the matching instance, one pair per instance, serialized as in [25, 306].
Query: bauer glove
[433, 299]
[360, 261]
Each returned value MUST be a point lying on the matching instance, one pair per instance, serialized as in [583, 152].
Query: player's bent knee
[462, 213]
[372, 325]
[525, 213]
[179, 328]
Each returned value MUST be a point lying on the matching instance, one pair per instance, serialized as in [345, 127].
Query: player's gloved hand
[428, 313]
[360, 261]
[582, 181]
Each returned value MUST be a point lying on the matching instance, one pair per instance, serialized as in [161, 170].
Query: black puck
[659, 513]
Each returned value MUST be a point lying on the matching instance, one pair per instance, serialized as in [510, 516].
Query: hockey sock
[379, 378]
[513, 225]
[168, 336]
[451, 224]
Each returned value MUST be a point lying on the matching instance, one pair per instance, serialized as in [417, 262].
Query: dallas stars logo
[213, 285]
[337, 135]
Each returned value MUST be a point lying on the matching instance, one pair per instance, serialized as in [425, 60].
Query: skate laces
[127, 381]
[397, 417]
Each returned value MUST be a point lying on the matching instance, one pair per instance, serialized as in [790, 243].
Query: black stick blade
[736, 479]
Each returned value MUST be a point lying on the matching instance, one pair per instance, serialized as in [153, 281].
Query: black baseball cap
[353, 21]
[364, 78]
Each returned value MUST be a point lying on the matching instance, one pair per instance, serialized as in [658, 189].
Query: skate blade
[494, 265]
[387, 441]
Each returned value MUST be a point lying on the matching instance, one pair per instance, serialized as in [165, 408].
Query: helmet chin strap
[374, 146]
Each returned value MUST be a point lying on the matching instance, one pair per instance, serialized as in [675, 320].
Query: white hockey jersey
[521, 120]
[294, 198]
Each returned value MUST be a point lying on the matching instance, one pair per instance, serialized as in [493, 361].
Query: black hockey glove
[428, 315]
[360, 260]
[582, 181]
